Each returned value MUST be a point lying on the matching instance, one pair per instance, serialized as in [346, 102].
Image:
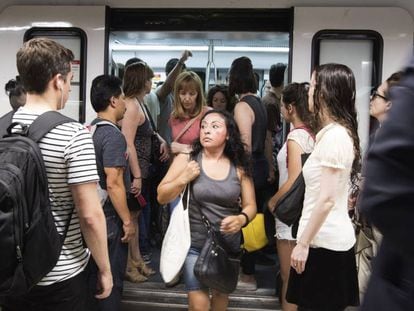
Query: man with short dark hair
[107, 98]
[274, 124]
[68, 153]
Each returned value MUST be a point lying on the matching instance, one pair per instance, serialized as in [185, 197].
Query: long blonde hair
[188, 79]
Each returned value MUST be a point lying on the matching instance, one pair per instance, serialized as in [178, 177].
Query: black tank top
[259, 124]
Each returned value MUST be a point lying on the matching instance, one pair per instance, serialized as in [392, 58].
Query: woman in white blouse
[323, 274]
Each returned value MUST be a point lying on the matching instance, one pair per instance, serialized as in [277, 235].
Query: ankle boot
[134, 276]
[144, 269]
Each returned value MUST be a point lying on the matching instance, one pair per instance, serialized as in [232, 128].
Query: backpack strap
[39, 128]
[5, 121]
[45, 123]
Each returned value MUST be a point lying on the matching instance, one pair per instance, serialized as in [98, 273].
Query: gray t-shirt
[111, 151]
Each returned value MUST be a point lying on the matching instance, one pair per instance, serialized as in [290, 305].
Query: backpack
[29, 241]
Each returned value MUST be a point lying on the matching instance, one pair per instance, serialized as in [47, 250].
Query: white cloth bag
[177, 241]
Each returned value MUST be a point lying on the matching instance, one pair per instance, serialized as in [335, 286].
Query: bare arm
[180, 173]
[326, 200]
[93, 226]
[244, 117]
[168, 85]
[133, 118]
[294, 168]
[233, 224]
[177, 148]
[117, 194]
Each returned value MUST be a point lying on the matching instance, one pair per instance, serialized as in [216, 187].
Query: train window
[360, 50]
[215, 37]
[75, 39]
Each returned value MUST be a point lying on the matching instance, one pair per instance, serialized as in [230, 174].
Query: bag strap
[39, 128]
[5, 122]
[302, 127]
[148, 116]
[94, 127]
[45, 123]
[185, 129]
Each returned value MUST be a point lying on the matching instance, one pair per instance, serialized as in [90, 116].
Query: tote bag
[177, 240]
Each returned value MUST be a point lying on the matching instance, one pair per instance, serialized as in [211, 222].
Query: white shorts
[283, 231]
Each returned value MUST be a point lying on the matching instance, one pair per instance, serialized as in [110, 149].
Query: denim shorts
[190, 280]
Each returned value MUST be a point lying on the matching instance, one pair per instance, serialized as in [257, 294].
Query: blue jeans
[118, 254]
[190, 280]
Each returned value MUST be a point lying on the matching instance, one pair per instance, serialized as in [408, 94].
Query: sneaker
[248, 285]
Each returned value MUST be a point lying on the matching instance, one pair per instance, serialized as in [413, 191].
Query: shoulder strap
[186, 127]
[307, 129]
[45, 123]
[5, 121]
[148, 116]
[92, 128]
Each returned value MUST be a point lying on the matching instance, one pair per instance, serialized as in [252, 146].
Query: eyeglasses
[376, 94]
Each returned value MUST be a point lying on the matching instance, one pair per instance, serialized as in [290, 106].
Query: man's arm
[168, 85]
[93, 226]
[117, 194]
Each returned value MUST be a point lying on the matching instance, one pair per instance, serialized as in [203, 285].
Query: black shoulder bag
[289, 207]
[217, 267]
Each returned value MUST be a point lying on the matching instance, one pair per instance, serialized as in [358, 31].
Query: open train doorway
[215, 38]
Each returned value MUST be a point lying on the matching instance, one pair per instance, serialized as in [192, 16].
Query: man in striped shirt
[68, 153]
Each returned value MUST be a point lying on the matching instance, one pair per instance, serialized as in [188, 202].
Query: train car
[373, 37]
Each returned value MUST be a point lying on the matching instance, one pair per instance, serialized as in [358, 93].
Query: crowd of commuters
[228, 147]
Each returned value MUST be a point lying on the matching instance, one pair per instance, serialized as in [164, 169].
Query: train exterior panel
[394, 24]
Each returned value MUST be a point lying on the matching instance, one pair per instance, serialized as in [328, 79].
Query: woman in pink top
[189, 108]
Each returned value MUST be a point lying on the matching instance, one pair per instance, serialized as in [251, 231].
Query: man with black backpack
[44, 261]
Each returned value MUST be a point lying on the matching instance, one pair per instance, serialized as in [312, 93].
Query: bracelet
[247, 219]
[137, 177]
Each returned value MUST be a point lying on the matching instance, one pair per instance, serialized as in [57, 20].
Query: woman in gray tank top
[218, 169]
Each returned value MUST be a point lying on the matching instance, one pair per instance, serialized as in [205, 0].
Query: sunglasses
[376, 94]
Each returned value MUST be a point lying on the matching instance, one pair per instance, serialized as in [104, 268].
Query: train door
[361, 38]
[216, 38]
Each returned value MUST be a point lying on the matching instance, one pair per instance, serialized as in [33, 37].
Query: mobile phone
[141, 200]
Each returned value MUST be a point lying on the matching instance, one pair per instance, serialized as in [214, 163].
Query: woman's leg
[219, 301]
[284, 250]
[198, 300]
[134, 251]
[134, 255]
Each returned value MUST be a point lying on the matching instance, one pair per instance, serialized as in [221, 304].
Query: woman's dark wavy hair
[234, 149]
[296, 94]
[335, 91]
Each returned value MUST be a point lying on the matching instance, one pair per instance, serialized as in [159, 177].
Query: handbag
[254, 234]
[217, 267]
[177, 240]
[289, 207]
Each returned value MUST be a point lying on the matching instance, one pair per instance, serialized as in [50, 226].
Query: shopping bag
[254, 234]
[177, 240]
